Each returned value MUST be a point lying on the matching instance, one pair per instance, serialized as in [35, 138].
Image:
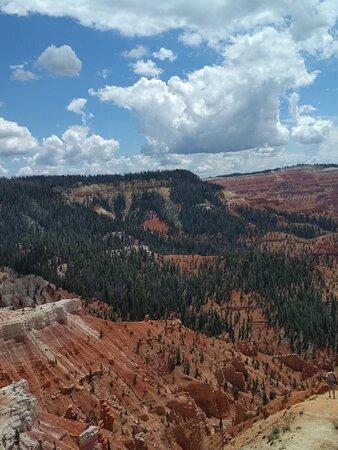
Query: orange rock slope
[304, 189]
[138, 385]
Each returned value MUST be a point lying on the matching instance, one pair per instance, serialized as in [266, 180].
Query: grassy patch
[274, 434]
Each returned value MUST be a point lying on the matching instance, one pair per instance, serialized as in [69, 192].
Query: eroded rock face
[15, 324]
[305, 189]
[18, 410]
[187, 424]
[107, 416]
[118, 377]
[213, 402]
[309, 371]
[26, 290]
[247, 348]
[89, 439]
[293, 361]
[229, 374]
[298, 364]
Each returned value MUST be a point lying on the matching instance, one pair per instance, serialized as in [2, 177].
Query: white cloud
[103, 73]
[77, 106]
[147, 68]
[307, 129]
[165, 53]
[328, 152]
[15, 139]
[20, 74]
[310, 21]
[307, 109]
[310, 130]
[232, 106]
[191, 39]
[78, 150]
[135, 53]
[60, 61]
[225, 108]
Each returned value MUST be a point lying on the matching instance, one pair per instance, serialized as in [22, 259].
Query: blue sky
[217, 99]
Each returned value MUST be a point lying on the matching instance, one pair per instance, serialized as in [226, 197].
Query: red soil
[308, 189]
[153, 384]
[322, 245]
[190, 263]
[154, 223]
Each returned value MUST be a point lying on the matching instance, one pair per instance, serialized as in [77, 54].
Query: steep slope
[300, 189]
[135, 385]
[310, 424]
[168, 244]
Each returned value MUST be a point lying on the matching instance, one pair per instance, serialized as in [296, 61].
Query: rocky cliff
[18, 412]
[100, 384]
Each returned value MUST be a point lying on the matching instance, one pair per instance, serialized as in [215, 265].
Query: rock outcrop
[296, 363]
[89, 439]
[18, 410]
[15, 325]
[213, 402]
[26, 290]
[138, 385]
[247, 348]
[229, 374]
[187, 424]
[293, 361]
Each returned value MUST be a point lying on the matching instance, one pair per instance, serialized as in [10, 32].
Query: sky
[215, 87]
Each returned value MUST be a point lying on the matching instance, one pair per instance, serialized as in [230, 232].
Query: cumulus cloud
[19, 73]
[165, 53]
[307, 129]
[311, 22]
[15, 139]
[190, 39]
[210, 117]
[77, 106]
[78, 146]
[203, 164]
[147, 68]
[135, 53]
[79, 150]
[327, 152]
[61, 61]
[224, 108]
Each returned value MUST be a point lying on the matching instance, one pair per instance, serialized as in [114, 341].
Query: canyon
[303, 189]
[158, 310]
[72, 379]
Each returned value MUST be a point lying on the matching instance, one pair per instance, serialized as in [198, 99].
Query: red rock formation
[213, 402]
[309, 371]
[154, 223]
[86, 371]
[307, 189]
[247, 348]
[107, 416]
[228, 373]
[293, 361]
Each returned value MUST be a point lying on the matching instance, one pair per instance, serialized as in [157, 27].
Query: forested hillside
[96, 236]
